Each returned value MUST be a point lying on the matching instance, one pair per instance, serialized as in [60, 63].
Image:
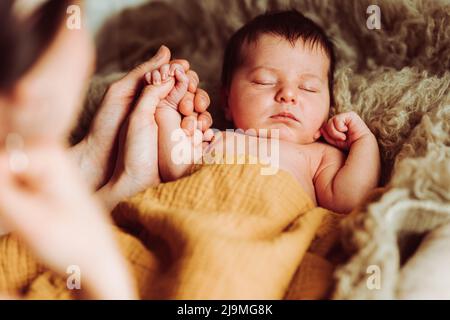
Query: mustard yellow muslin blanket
[224, 232]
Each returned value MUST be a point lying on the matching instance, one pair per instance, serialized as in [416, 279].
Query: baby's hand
[171, 83]
[344, 129]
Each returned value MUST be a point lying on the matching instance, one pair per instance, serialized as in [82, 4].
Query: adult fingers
[129, 84]
[118, 100]
[19, 206]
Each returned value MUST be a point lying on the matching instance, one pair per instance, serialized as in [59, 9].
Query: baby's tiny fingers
[333, 132]
[326, 136]
[179, 90]
[339, 124]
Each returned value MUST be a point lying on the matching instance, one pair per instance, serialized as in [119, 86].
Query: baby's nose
[287, 95]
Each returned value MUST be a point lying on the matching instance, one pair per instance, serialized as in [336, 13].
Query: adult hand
[96, 154]
[48, 206]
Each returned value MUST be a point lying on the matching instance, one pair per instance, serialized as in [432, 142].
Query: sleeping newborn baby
[277, 82]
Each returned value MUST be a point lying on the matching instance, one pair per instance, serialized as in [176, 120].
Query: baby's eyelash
[308, 89]
[263, 83]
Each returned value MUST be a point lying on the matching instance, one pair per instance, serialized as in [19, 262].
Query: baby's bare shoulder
[324, 155]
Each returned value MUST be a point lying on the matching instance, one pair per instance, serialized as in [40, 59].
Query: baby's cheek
[319, 119]
[320, 112]
[243, 120]
[249, 108]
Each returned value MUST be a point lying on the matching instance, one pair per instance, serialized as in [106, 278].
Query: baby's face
[280, 86]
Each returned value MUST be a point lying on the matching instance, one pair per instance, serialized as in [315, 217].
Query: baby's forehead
[275, 50]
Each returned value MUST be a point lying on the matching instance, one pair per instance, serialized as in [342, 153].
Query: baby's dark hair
[291, 25]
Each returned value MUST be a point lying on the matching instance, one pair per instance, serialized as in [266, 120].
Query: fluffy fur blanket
[396, 78]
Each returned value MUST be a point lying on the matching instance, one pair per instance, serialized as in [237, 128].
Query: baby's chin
[287, 133]
[280, 132]
[289, 136]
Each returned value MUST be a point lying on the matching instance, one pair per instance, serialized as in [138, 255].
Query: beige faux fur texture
[396, 78]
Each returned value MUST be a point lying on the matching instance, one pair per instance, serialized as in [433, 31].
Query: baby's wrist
[366, 136]
[166, 112]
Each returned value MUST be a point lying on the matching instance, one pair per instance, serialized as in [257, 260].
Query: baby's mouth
[285, 115]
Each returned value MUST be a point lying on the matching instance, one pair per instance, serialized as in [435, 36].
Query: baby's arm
[341, 184]
[176, 149]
